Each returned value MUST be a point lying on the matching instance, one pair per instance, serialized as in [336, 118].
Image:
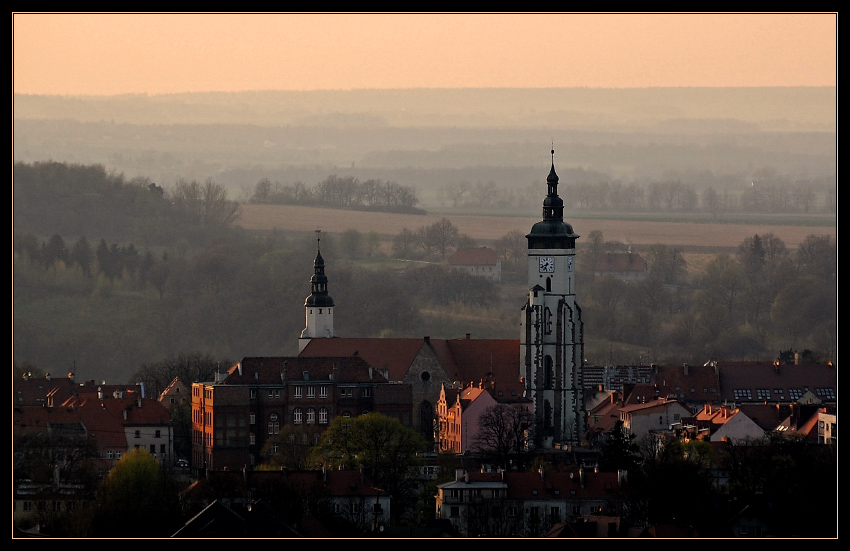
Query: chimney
[540, 470]
[458, 475]
[467, 336]
[427, 340]
[47, 376]
[796, 361]
[686, 368]
[370, 372]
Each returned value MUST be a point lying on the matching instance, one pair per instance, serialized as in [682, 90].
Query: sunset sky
[104, 53]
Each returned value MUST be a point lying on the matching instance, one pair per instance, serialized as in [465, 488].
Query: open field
[694, 237]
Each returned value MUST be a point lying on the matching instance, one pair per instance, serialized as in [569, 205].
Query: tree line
[345, 192]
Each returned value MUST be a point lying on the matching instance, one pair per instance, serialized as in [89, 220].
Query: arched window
[323, 416]
[311, 416]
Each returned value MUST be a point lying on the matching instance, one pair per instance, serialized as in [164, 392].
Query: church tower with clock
[551, 334]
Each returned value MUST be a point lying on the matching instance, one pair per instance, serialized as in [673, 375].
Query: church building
[544, 365]
[551, 330]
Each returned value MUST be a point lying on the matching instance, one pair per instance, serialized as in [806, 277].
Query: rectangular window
[323, 392]
[253, 418]
[157, 434]
[162, 448]
[311, 392]
[298, 392]
[138, 434]
[253, 393]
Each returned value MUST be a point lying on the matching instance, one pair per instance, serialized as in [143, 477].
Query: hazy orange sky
[154, 53]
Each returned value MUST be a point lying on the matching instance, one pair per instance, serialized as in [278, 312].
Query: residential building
[234, 416]
[656, 416]
[285, 503]
[478, 261]
[777, 383]
[623, 266]
[526, 503]
[459, 412]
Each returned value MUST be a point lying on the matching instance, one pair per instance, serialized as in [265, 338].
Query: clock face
[547, 264]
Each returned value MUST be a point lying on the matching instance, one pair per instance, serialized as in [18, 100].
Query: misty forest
[128, 249]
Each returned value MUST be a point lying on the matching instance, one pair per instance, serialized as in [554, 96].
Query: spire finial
[318, 240]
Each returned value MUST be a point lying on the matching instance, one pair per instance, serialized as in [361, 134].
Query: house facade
[234, 416]
[526, 504]
[479, 262]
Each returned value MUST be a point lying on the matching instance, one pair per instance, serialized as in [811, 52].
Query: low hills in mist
[780, 108]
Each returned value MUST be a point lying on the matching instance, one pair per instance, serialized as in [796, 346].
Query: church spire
[319, 281]
[318, 308]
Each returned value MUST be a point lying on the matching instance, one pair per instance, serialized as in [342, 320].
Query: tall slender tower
[318, 307]
[551, 335]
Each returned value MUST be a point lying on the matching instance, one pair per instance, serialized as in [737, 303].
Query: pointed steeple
[552, 232]
[319, 282]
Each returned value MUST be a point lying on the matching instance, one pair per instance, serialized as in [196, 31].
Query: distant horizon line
[418, 88]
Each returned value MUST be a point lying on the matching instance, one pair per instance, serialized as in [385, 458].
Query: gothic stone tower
[551, 334]
[318, 307]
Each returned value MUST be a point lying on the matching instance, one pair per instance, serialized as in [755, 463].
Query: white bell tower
[318, 307]
[551, 334]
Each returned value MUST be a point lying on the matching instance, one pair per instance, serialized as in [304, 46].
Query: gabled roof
[478, 256]
[495, 362]
[273, 370]
[694, 383]
[394, 355]
[662, 404]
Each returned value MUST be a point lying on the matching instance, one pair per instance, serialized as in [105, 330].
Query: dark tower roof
[552, 232]
[319, 283]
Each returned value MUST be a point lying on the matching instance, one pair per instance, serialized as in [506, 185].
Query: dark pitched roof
[690, 383]
[272, 370]
[786, 383]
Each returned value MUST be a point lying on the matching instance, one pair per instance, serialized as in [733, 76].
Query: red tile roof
[589, 485]
[479, 256]
[495, 362]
